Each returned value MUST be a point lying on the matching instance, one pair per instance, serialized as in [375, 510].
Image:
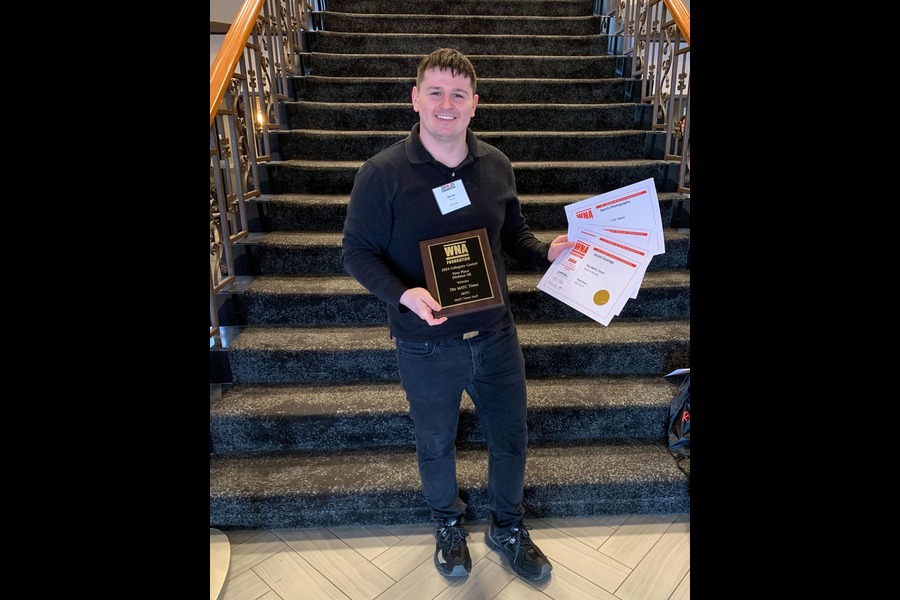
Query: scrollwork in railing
[290, 18]
[223, 207]
[655, 35]
[248, 78]
[662, 91]
[262, 67]
[217, 263]
[245, 148]
[684, 176]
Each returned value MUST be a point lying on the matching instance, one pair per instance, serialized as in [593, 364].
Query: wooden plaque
[460, 272]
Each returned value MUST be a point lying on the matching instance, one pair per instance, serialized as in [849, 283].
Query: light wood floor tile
[353, 574]
[421, 583]
[581, 558]
[241, 536]
[613, 521]
[517, 589]
[683, 591]
[292, 578]
[565, 584]
[661, 571]
[253, 551]
[634, 538]
[270, 596]
[588, 530]
[246, 586]
[402, 531]
[408, 553]
[483, 583]
[370, 541]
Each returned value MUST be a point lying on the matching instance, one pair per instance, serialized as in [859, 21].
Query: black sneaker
[451, 555]
[525, 558]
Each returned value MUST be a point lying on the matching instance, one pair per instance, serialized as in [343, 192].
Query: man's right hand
[419, 301]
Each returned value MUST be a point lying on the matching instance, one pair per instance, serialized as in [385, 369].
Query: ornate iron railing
[656, 36]
[247, 80]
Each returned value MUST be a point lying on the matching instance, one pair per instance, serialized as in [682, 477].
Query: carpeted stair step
[578, 348]
[534, 8]
[309, 144]
[402, 65]
[423, 43]
[343, 116]
[309, 300]
[326, 212]
[494, 90]
[381, 486]
[256, 418]
[584, 177]
[462, 24]
[318, 253]
[569, 177]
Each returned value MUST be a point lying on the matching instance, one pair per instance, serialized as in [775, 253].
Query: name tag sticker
[451, 196]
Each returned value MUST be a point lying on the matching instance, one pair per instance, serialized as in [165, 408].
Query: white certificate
[593, 279]
[634, 206]
[640, 256]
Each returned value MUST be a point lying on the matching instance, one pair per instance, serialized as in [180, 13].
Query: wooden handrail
[682, 17]
[230, 53]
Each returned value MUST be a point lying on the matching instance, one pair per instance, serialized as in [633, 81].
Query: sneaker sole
[545, 570]
[458, 570]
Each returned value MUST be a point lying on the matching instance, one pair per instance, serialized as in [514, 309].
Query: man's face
[445, 104]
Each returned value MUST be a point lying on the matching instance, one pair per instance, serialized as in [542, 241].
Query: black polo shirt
[392, 207]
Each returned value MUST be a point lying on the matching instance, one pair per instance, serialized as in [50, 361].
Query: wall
[220, 11]
[223, 11]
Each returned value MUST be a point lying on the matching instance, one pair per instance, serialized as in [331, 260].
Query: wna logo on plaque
[456, 252]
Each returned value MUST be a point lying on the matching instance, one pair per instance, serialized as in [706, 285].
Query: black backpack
[680, 420]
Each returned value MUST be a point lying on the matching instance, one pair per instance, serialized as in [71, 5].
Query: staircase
[308, 423]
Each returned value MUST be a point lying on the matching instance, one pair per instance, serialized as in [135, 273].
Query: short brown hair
[447, 59]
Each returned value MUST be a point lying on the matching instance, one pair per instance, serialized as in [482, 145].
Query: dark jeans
[491, 368]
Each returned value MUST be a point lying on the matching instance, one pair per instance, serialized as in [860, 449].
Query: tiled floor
[626, 557]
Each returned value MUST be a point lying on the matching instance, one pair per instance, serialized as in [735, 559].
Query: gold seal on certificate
[460, 272]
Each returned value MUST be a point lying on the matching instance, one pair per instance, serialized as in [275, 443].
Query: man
[400, 198]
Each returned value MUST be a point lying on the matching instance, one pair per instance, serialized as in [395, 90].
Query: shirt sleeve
[367, 232]
[516, 235]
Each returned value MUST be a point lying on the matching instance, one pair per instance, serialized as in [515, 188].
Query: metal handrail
[229, 54]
